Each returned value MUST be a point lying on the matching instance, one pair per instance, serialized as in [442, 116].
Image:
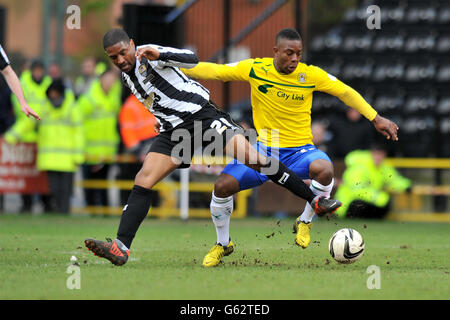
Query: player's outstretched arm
[14, 84]
[225, 72]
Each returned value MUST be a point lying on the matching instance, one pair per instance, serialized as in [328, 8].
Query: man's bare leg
[156, 166]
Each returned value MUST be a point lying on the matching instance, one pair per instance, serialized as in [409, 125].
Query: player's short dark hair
[58, 86]
[289, 34]
[114, 36]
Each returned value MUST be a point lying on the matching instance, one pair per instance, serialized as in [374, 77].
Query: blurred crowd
[84, 125]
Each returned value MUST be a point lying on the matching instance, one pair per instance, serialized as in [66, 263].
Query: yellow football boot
[216, 254]
[303, 230]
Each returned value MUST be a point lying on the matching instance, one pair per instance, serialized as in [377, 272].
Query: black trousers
[128, 171]
[96, 197]
[362, 209]
[61, 189]
[29, 199]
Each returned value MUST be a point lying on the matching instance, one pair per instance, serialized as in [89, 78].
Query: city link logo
[264, 88]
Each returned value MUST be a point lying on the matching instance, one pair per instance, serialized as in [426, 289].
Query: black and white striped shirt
[164, 90]
[4, 61]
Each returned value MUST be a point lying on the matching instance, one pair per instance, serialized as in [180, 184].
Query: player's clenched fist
[148, 52]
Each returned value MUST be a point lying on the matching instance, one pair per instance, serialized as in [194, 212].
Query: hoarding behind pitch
[18, 172]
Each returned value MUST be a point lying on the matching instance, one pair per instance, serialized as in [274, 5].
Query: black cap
[57, 85]
[36, 63]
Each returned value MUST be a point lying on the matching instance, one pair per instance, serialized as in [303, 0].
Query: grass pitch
[166, 257]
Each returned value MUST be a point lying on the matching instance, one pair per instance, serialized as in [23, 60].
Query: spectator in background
[34, 83]
[60, 143]
[55, 72]
[100, 107]
[351, 133]
[138, 127]
[367, 183]
[90, 71]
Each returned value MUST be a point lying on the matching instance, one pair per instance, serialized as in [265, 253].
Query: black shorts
[209, 128]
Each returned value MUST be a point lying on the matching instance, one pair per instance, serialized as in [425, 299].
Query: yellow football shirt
[282, 103]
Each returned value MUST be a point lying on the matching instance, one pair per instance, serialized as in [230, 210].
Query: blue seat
[443, 44]
[420, 104]
[357, 42]
[388, 42]
[444, 130]
[417, 43]
[443, 73]
[416, 15]
[355, 15]
[443, 16]
[389, 104]
[392, 14]
[331, 41]
[416, 136]
[444, 126]
[420, 72]
[357, 71]
[443, 106]
[389, 71]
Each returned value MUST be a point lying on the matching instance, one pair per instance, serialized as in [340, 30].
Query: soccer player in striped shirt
[14, 84]
[184, 111]
[281, 95]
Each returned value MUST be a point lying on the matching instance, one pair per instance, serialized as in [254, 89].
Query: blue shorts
[297, 159]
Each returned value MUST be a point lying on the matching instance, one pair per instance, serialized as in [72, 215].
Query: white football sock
[319, 190]
[221, 210]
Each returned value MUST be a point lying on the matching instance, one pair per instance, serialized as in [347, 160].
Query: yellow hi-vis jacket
[36, 96]
[100, 115]
[363, 180]
[60, 139]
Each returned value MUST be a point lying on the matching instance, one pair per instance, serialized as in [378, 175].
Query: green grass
[166, 258]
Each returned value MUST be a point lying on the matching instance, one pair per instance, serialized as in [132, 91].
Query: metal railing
[172, 193]
[168, 192]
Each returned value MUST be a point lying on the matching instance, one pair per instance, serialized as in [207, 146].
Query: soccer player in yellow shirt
[281, 95]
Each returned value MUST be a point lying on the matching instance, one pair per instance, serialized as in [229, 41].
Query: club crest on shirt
[302, 77]
[143, 70]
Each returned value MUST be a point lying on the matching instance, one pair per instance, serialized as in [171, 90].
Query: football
[346, 246]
